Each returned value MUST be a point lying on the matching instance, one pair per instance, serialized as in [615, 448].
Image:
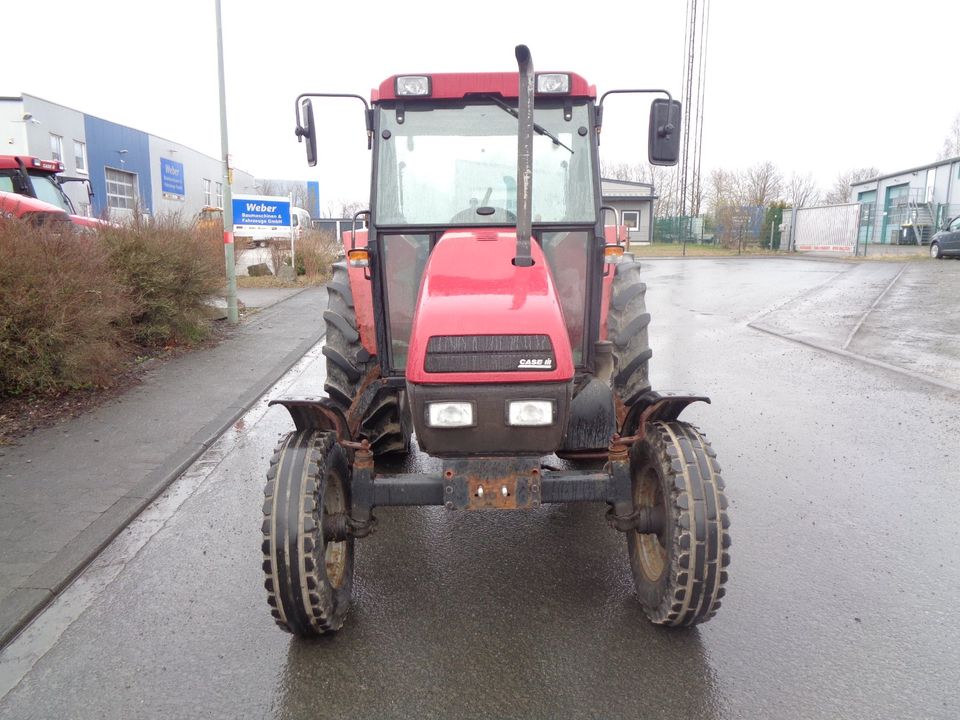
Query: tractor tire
[679, 573]
[627, 323]
[386, 423]
[309, 581]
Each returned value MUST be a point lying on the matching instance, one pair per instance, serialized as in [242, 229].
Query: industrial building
[909, 206]
[127, 169]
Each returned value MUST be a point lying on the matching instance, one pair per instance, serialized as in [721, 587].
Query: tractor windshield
[49, 191]
[437, 165]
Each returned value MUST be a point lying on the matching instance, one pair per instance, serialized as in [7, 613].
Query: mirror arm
[368, 113]
[660, 131]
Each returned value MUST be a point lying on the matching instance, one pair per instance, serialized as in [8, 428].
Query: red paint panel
[22, 206]
[456, 85]
[362, 295]
[471, 287]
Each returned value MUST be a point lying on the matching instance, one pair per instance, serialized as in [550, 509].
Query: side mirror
[663, 146]
[308, 130]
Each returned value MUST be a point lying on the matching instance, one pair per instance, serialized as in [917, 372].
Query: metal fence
[829, 228]
[729, 226]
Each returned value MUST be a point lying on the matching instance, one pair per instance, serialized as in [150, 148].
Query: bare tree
[951, 143]
[344, 208]
[802, 190]
[294, 189]
[840, 192]
[662, 178]
[763, 184]
[725, 188]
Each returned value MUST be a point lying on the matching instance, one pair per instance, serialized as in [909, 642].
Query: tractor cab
[43, 180]
[445, 165]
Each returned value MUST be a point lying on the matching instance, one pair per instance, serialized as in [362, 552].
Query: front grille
[489, 353]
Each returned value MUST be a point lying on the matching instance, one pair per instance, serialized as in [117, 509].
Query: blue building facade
[119, 167]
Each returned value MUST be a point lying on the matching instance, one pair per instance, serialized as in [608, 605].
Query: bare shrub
[279, 255]
[60, 310]
[316, 252]
[169, 271]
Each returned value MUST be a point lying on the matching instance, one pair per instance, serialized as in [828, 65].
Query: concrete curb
[39, 590]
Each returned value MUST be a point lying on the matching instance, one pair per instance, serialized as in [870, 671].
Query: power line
[694, 75]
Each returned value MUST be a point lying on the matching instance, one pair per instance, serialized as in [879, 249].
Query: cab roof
[453, 86]
[8, 162]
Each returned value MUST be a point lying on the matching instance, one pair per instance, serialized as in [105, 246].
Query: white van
[300, 222]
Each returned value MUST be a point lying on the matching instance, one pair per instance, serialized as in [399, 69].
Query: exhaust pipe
[524, 158]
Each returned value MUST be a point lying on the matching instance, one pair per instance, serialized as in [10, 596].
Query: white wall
[13, 131]
[68, 124]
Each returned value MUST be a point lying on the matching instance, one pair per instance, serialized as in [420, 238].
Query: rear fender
[362, 292]
[613, 235]
[655, 407]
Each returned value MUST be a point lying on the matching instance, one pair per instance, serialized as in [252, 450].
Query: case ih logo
[535, 363]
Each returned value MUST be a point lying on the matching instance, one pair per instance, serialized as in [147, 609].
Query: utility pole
[233, 316]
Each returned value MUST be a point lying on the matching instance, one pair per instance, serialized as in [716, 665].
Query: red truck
[42, 179]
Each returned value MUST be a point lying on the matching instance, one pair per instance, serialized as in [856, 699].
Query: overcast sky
[815, 86]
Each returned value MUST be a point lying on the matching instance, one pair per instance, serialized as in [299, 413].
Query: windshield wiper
[537, 128]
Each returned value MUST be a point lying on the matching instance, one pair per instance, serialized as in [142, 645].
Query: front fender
[656, 407]
[316, 414]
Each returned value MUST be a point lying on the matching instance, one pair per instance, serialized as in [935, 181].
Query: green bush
[60, 311]
[168, 271]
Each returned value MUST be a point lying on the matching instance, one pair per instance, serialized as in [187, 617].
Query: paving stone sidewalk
[65, 492]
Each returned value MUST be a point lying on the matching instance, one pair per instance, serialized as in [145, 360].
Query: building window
[121, 189]
[631, 218]
[56, 147]
[206, 192]
[80, 156]
[219, 194]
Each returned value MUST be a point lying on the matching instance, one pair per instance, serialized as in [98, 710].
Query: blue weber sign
[171, 177]
[261, 211]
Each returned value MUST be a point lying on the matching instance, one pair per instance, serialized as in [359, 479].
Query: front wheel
[680, 572]
[309, 579]
[935, 251]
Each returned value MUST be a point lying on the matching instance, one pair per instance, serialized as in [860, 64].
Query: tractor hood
[482, 319]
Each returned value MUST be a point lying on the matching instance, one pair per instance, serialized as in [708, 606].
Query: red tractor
[43, 180]
[487, 309]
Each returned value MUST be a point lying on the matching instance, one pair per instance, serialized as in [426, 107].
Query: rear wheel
[386, 423]
[680, 572]
[935, 251]
[627, 323]
[309, 581]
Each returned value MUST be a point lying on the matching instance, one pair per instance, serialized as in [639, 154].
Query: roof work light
[413, 85]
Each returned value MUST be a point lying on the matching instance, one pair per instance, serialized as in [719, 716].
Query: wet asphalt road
[844, 490]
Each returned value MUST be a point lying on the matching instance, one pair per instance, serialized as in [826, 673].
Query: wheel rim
[933, 250]
[648, 493]
[335, 553]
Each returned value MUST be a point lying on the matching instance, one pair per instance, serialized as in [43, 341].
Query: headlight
[553, 83]
[450, 414]
[416, 85]
[530, 413]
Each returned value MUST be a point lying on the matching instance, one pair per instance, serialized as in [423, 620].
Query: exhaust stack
[524, 157]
